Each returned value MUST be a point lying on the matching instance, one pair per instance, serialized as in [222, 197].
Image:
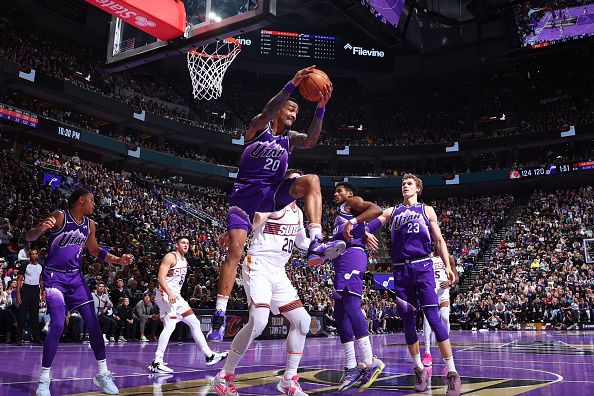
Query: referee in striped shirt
[29, 292]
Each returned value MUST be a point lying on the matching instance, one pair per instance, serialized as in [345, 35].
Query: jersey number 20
[271, 164]
[288, 246]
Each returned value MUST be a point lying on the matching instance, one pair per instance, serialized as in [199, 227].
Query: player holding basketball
[349, 270]
[413, 227]
[70, 231]
[442, 289]
[173, 308]
[261, 186]
[269, 289]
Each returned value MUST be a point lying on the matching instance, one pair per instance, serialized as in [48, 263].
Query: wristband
[353, 221]
[289, 87]
[103, 253]
[320, 112]
[374, 225]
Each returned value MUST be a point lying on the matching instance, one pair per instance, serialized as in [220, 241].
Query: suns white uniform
[175, 279]
[264, 278]
[440, 276]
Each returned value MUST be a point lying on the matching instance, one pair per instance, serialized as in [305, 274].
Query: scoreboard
[285, 44]
[297, 45]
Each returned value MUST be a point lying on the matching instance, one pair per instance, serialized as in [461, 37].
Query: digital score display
[547, 170]
[286, 44]
[19, 116]
[297, 45]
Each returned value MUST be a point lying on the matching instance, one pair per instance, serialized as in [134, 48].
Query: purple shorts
[349, 271]
[415, 283]
[65, 289]
[247, 199]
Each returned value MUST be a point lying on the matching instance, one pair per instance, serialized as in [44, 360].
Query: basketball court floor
[495, 363]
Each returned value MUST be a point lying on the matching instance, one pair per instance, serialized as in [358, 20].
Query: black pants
[107, 325]
[30, 304]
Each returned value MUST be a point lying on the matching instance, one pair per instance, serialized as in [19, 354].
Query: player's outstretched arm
[367, 211]
[439, 241]
[371, 241]
[310, 139]
[273, 106]
[52, 222]
[166, 264]
[103, 253]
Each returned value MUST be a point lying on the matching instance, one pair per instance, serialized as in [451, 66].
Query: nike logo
[426, 264]
[349, 275]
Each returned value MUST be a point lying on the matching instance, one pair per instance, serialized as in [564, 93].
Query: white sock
[417, 361]
[222, 302]
[450, 366]
[349, 354]
[427, 335]
[194, 324]
[314, 229]
[168, 328]
[293, 360]
[45, 373]
[102, 365]
[365, 346]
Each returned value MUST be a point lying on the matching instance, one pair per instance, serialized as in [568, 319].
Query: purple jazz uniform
[63, 265]
[414, 280]
[260, 186]
[349, 268]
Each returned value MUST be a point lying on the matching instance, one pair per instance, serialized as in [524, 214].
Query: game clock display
[546, 170]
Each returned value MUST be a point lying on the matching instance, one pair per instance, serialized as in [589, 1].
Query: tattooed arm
[310, 139]
[273, 106]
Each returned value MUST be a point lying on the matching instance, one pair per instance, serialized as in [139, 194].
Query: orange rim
[231, 40]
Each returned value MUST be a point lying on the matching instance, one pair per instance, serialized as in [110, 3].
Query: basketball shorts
[415, 283]
[442, 294]
[247, 199]
[65, 289]
[266, 284]
[175, 311]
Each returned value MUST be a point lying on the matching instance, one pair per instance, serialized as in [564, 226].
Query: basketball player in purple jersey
[261, 186]
[349, 270]
[65, 289]
[413, 228]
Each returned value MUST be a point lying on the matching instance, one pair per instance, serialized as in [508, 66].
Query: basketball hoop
[207, 66]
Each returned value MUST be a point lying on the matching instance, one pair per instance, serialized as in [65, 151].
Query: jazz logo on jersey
[350, 274]
[72, 238]
[266, 150]
[405, 217]
[281, 229]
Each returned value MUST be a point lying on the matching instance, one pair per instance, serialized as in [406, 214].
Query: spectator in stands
[146, 313]
[103, 308]
[125, 325]
[7, 318]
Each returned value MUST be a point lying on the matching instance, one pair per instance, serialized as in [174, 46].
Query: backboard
[207, 21]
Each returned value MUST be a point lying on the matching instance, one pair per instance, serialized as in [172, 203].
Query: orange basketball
[311, 87]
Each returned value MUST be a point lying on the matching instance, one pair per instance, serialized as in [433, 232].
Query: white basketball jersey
[439, 269]
[177, 275]
[276, 236]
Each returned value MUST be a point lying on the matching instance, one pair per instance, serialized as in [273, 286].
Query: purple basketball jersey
[358, 230]
[409, 230]
[265, 158]
[66, 244]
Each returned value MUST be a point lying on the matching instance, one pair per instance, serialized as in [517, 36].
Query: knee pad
[304, 323]
[258, 328]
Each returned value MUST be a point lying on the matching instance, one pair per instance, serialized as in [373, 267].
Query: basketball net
[207, 66]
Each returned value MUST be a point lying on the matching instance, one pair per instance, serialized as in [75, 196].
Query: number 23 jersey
[276, 236]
